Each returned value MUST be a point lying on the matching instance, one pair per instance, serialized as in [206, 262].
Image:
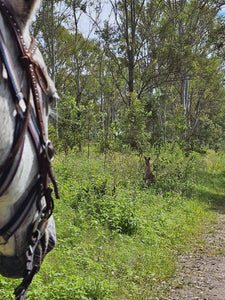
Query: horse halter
[27, 121]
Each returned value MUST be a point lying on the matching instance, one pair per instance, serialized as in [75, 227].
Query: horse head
[27, 230]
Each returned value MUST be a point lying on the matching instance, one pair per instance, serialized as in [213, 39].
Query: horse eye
[51, 99]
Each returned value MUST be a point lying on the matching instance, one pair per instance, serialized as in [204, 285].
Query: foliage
[118, 239]
[149, 83]
[76, 125]
[152, 73]
[133, 125]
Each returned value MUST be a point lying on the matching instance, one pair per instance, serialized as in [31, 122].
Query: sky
[85, 24]
[223, 10]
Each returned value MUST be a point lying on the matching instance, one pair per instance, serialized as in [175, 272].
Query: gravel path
[202, 274]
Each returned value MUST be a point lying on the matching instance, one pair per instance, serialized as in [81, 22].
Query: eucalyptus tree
[125, 41]
[77, 78]
[156, 67]
[52, 16]
[123, 38]
[188, 25]
[73, 59]
[188, 54]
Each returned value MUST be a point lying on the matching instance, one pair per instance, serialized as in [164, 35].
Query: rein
[31, 122]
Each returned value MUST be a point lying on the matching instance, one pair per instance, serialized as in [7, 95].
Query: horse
[27, 228]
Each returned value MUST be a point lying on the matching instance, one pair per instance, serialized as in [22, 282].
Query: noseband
[28, 119]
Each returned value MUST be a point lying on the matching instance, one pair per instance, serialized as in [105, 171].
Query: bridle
[28, 119]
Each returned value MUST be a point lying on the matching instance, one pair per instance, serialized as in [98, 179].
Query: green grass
[118, 239]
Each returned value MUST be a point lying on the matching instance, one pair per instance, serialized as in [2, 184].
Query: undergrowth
[118, 239]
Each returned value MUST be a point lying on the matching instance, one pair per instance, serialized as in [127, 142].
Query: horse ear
[25, 9]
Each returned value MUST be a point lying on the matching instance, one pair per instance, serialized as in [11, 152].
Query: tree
[124, 45]
[155, 73]
[187, 27]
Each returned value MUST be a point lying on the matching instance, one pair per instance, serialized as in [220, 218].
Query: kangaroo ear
[24, 9]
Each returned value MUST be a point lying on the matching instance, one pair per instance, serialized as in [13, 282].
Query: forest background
[148, 81]
[152, 73]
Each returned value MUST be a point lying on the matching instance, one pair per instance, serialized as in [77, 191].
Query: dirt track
[201, 275]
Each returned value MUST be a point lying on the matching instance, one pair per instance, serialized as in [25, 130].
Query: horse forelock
[24, 10]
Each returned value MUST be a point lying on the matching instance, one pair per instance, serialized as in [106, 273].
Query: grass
[118, 239]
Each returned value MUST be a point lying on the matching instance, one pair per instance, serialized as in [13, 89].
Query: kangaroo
[149, 177]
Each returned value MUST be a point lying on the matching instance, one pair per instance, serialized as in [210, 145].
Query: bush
[118, 239]
[116, 212]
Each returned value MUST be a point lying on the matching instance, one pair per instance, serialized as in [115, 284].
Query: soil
[201, 274]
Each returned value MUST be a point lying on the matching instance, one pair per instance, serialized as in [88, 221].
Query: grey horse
[20, 179]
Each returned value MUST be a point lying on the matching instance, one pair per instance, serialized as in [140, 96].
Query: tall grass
[118, 239]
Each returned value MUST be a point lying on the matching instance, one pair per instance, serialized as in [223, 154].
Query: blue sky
[84, 22]
[223, 11]
[85, 25]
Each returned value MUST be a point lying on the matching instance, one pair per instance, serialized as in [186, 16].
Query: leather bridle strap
[27, 62]
[19, 97]
[33, 71]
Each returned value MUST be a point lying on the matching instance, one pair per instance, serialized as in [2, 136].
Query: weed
[118, 239]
